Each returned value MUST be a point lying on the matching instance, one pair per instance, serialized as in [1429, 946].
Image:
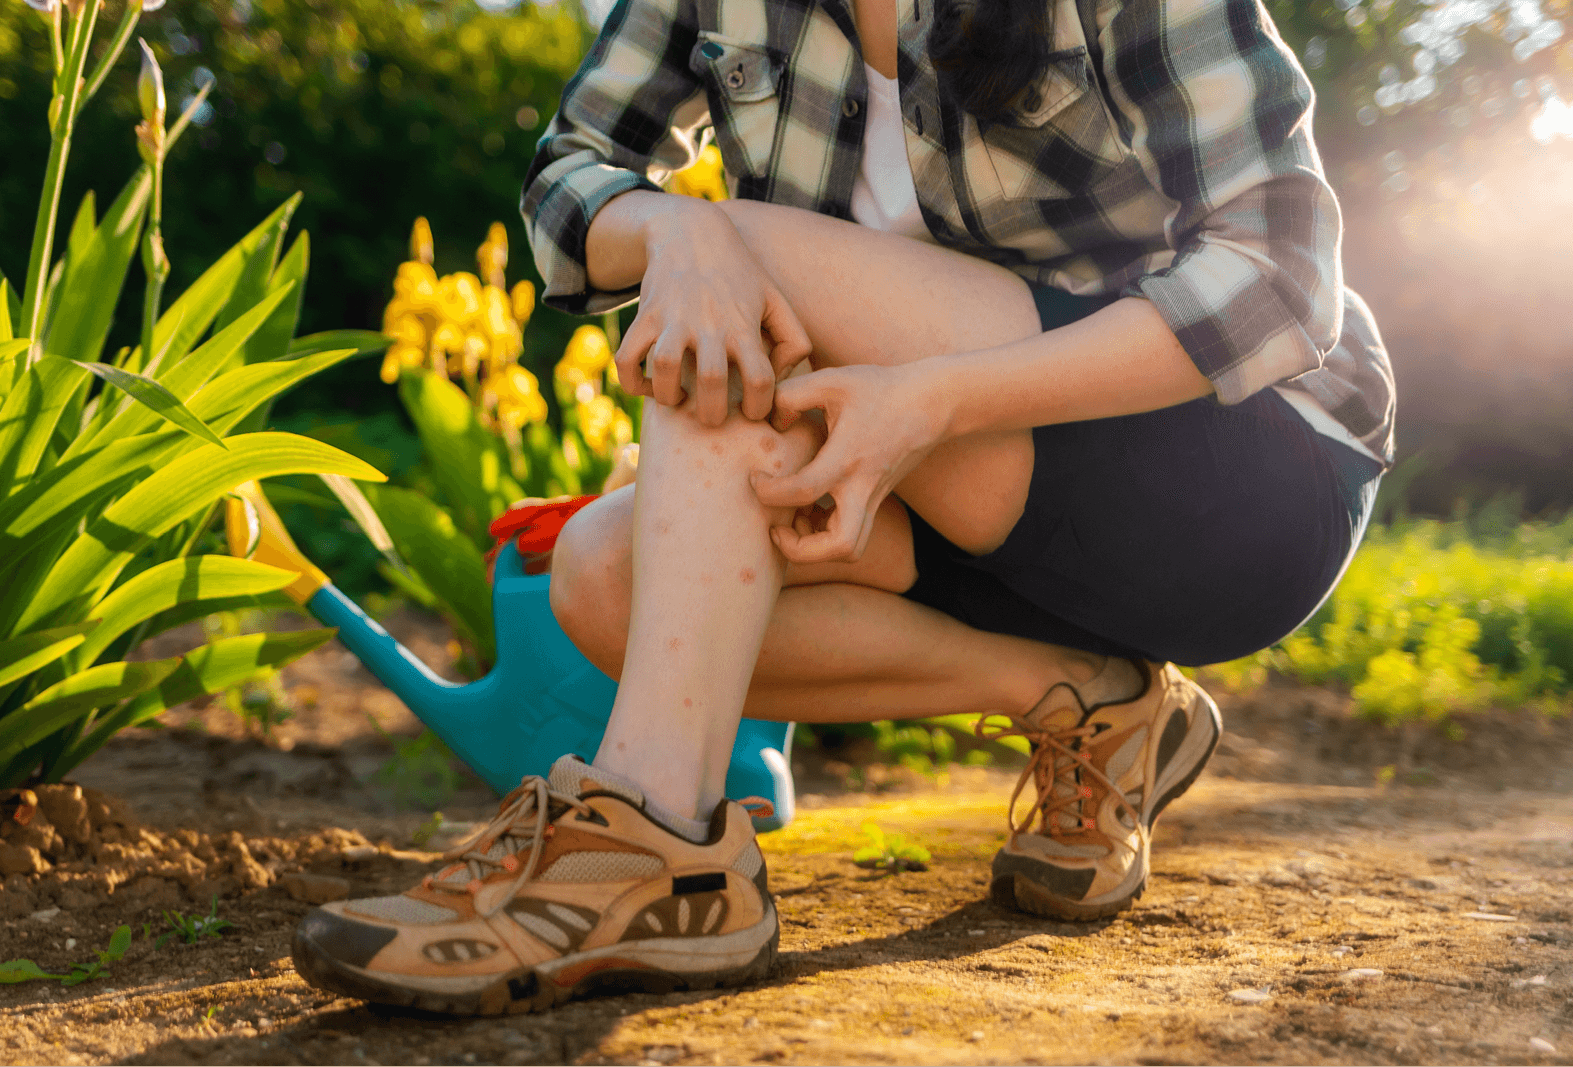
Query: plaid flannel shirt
[1167, 155]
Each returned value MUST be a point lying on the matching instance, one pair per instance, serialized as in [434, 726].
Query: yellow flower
[572, 376]
[416, 285]
[706, 179]
[447, 339]
[492, 256]
[596, 419]
[622, 428]
[523, 302]
[421, 243]
[459, 298]
[399, 357]
[497, 323]
[588, 350]
[406, 329]
[475, 349]
[519, 398]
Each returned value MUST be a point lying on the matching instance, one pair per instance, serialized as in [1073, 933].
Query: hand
[705, 293]
[882, 421]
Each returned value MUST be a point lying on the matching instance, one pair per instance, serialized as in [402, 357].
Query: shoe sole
[527, 989]
[1019, 891]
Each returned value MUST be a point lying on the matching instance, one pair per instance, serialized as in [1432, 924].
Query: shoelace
[1057, 756]
[522, 823]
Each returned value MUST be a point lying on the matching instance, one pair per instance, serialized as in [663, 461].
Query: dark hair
[990, 54]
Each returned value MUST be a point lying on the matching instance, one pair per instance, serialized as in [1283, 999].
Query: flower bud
[151, 5]
[421, 250]
[48, 7]
[150, 88]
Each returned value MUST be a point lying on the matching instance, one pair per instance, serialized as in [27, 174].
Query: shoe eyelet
[1086, 792]
[1089, 824]
[426, 882]
[511, 863]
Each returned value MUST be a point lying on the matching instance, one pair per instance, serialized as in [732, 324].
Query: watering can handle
[255, 531]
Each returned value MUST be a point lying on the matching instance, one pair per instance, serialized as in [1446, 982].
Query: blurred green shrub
[1427, 623]
[378, 111]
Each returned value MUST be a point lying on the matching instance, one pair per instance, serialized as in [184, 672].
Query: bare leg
[839, 648]
[704, 578]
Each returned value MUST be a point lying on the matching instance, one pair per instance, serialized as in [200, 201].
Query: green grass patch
[1435, 619]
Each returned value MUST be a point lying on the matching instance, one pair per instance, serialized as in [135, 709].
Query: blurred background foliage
[1446, 128]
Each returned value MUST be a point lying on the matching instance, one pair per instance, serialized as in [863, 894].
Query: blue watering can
[541, 700]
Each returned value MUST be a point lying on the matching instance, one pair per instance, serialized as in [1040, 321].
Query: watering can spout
[541, 700]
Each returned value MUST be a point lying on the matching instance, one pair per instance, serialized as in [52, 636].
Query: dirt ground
[1326, 893]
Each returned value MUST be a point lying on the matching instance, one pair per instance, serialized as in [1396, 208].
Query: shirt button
[735, 79]
[849, 107]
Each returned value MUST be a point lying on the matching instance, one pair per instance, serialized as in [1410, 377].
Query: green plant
[1427, 624]
[14, 971]
[420, 772]
[890, 852]
[191, 929]
[112, 471]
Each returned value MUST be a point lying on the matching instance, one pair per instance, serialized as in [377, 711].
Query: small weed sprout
[420, 772]
[14, 971]
[428, 829]
[890, 852]
[191, 929]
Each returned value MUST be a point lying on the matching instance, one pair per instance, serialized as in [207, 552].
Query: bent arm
[1218, 112]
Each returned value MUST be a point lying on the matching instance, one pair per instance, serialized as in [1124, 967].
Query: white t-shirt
[884, 197]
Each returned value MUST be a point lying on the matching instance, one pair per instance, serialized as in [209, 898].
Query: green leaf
[271, 341]
[173, 582]
[228, 399]
[470, 463]
[253, 283]
[185, 377]
[365, 516]
[95, 272]
[364, 342]
[171, 495]
[30, 413]
[153, 395]
[14, 971]
[190, 315]
[74, 698]
[22, 655]
[7, 330]
[210, 669]
[117, 945]
[445, 559]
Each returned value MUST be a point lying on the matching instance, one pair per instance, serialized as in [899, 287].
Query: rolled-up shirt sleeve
[1218, 111]
[631, 115]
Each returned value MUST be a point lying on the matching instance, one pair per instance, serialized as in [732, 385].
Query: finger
[753, 366]
[822, 474]
[791, 345]
[665, 363]
[797, 395]
[631, 353]
[836, 543]
[710, 371]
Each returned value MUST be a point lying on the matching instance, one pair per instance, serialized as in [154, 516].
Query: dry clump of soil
[74, 849]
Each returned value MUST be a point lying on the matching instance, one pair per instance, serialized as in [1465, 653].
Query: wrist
[932, 393]
[679, 218]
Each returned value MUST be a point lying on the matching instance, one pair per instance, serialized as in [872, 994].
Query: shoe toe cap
[343, 939]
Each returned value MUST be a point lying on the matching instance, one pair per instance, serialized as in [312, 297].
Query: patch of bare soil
[1306, 906]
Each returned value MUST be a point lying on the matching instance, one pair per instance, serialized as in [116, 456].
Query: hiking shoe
[570, 889]
[1102, 774]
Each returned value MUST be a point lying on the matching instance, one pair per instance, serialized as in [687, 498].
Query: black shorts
[1198, 534]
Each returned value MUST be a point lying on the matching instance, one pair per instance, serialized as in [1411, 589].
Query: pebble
[1250, 996]
[976, 933]
[1362, 974]
[46, 915]
[1490, 916]
[1342, 950]
[315, 888]
[1540, 1044]
[976, 1035]
[359, 853]
[70, 943]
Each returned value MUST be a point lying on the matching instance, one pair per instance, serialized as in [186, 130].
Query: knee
[592, 568]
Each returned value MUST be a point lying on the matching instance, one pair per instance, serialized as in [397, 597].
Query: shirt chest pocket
[1060, 140]
[741, 80]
